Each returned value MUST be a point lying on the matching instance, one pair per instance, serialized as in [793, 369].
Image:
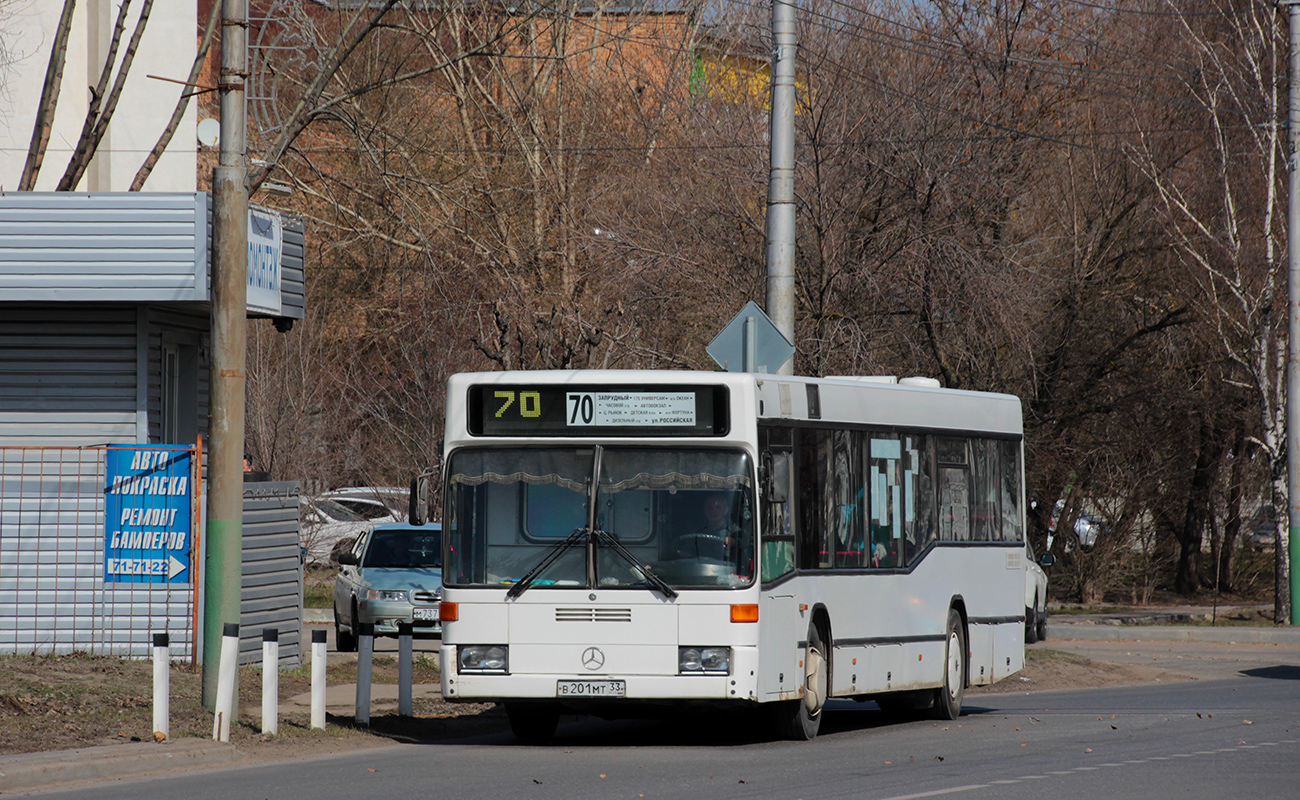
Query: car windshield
[404, 548]
[682, 515]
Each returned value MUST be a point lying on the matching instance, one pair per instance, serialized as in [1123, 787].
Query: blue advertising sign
[147, 502]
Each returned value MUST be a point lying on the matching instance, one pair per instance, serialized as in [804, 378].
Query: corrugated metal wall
[272, 573]
[293, 286]
[53, 596]
[67, 374]
[140, 247]
[132, 246]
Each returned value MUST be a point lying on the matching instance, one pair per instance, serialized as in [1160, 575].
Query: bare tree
[102, 105]
[178, 113]
[1229, 229]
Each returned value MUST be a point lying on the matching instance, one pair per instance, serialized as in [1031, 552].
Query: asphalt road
[1228, 738]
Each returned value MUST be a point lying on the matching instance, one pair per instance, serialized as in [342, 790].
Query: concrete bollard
[318, 664]
[270, 681]
[227, 682]
[162, 676]
[365, 662]
[405, 653]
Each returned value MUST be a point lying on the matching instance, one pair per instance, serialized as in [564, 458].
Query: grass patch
[1070, 610]
[57, 702]
[1039, 657]
[318, 595]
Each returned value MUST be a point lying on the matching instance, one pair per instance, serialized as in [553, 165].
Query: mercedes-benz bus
[628, 543]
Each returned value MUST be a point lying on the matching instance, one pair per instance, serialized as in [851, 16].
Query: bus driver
[718, 537]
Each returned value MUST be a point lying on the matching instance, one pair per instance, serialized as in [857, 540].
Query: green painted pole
[224, 560]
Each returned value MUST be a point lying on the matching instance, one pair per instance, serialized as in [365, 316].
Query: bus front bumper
[740, 684]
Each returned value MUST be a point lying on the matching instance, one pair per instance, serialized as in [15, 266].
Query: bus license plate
[590, 689]
[424, 614]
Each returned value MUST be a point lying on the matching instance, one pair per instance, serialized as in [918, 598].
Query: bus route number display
[589, 410]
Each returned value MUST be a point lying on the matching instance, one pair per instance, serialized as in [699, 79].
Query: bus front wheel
[533, 723]
[801, 719]
[947, 698]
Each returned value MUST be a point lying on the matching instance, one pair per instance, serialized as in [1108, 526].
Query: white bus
[620, 541]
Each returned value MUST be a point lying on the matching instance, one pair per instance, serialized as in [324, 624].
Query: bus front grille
[593, 615]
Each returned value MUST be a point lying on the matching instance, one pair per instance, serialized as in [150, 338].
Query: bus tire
[533, 723]
[1041, 620]
[1031, 625]
[343, 642]
[948, 697]
[801, 719]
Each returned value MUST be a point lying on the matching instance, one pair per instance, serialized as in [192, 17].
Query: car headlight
[386, 595]
[484, 658]
[714, 660]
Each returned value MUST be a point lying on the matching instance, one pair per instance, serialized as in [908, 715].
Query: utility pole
[780, 187]
[224, 552]
[1293, 315]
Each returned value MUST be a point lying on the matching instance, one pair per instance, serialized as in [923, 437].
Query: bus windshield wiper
[643, 569]
[552, 555]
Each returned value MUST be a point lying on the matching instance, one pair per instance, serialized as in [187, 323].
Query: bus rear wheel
[947, 698]
[533, 723]
[801, 719]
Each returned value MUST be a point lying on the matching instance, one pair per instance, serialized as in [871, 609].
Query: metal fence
[56, 593]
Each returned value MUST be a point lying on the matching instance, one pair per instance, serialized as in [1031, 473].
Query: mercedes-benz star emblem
[592, 658]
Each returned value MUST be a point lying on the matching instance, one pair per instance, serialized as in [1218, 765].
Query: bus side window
[1012, 524]
[777, 498]
[954, 490]
[984, 496]
[845, 502]
[918, 496]
[886, 490]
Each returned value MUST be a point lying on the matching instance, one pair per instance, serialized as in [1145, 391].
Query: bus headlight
[704, 660]
[483, 658]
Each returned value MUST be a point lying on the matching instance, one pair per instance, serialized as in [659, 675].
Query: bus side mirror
[776, 478]
[418, 513]
[1046, 560]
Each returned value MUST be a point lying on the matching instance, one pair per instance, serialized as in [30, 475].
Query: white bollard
[318, 664]
[162, 663]
[227, 680]
[405, 635]
[270, 681]
[365, 661]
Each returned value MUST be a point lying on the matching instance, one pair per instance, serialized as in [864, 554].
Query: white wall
[27, 30]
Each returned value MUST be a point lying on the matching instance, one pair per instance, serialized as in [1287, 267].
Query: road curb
[1173, 633]
[41, 770]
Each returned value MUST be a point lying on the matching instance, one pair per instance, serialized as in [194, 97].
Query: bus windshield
[685, 515]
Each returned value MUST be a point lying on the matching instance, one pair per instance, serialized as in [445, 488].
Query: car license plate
[591, 688]
[424, 614]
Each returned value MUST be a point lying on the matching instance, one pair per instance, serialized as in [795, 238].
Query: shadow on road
[1282, 672]
[689, 729]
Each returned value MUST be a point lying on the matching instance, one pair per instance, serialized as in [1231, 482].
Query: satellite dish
[209, 132]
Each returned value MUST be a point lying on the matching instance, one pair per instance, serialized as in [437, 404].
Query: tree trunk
[49, 100]
[1232, 524]
[1187, 576]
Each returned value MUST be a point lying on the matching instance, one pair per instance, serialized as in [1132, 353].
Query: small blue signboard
[147, 503]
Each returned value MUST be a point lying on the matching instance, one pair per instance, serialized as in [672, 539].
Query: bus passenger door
[781, 627]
